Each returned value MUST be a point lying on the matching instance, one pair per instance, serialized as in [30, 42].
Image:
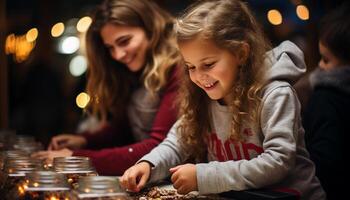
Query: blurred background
[43, 65]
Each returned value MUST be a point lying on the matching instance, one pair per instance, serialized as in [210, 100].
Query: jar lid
[99, 186]
[19, 166]
[45, 180]
[15, 153]
[72, 164]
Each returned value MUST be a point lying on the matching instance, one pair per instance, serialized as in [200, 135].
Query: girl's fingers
[174, 169]
[174, 179]
[142, 182]
[132, 181]
[123, 180]
[182, 190]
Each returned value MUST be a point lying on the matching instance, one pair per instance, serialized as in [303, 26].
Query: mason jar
[99, 188]
[4, 156]
[45, 185]
[15, 170]
[74, 167]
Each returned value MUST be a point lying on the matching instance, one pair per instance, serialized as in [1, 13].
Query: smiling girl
[240, 117]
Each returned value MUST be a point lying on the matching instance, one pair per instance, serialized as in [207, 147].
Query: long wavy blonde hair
[110, 82]
[229, 24]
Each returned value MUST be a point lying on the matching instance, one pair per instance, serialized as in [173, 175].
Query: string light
[82, 100]
[302, 12]
[274, 17]
[83, 24]
[57, 29]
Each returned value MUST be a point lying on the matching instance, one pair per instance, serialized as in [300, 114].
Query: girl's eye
[209, 65]
[190, 68]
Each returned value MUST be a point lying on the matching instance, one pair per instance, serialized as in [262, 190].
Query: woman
[132, 65]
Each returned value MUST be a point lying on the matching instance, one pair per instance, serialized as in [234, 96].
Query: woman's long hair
[229, 24]
[109, 82]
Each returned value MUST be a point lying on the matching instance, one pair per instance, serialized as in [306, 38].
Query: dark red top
[114, 161]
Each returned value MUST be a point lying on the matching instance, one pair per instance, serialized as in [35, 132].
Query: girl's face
[126, 44]
[328, 60]
[211, 68]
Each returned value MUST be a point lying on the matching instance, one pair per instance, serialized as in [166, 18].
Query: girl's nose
[202, 76]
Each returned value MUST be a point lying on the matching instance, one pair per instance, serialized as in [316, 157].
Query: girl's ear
[244, 53]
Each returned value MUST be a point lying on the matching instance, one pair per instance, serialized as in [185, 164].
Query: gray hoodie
[272, 153]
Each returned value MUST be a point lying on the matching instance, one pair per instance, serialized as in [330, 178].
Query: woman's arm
[114, 161]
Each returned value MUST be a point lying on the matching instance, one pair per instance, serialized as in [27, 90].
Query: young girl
[248, 133]
[326, 117]
[132, 56]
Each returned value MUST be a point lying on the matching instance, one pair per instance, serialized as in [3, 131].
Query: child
[248, 133]
[132, 81]
[326, 118]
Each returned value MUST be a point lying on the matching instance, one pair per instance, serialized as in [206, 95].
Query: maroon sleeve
[114, 161]
[108, 136]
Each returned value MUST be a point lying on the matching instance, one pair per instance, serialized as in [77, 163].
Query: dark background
[38, 94]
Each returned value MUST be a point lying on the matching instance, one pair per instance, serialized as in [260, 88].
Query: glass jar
[8, 155]
[99, 188]
[15, 170]
[74, 167]
[45, 185]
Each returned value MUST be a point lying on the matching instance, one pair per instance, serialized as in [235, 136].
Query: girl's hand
[48, 156]
[67, 141]
[135, 178]
[184, 178]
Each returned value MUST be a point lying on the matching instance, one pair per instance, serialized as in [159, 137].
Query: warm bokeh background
[42, 63]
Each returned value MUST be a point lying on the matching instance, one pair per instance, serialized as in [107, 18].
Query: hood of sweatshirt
[338, 78]
[286, 63]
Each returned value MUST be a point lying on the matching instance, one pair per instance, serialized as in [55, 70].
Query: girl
[326, 118]
[248, 133]
[132, 59]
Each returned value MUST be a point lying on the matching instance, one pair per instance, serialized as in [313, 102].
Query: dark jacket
[327, 125]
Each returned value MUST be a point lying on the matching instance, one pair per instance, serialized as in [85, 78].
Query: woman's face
[211, 68]
[126, 44]
[328, 59]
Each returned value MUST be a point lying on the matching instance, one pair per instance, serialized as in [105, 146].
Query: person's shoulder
[275, 87]
[328, 94]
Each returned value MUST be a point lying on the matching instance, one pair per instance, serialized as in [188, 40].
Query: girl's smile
[210, 85]
[211, 68]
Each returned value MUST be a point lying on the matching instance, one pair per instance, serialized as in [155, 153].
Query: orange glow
[57, 29]
[32, 35]
[82, 100]
[19, 47]
[274, 17]
[303, 12]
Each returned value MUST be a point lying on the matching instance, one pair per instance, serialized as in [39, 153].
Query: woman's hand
[184, 178]
[48, 156]
[67, 141]
[135, 178]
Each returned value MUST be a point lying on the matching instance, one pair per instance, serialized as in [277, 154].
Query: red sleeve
[114, 161]
[108, 136]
